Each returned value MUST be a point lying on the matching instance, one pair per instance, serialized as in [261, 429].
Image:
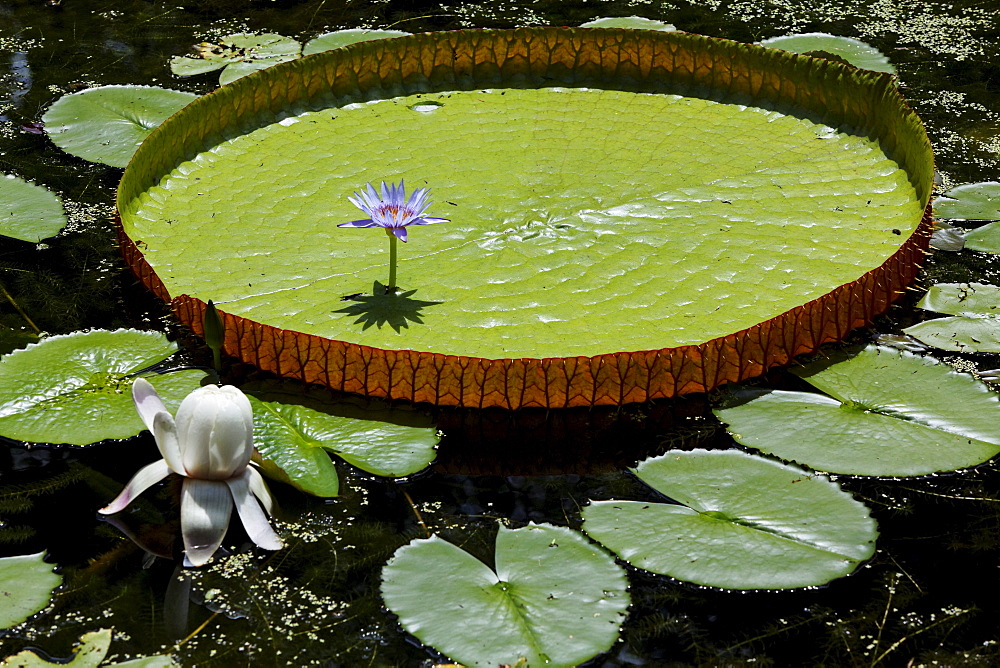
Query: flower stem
[391, 287]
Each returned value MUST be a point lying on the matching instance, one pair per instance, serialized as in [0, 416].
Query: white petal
[165, 433]
[147, 401]
[253, 518]
[140, 482]
[215, 428]
[205, 509]
[259, 489]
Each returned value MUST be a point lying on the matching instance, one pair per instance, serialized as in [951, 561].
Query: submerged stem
[38, 331]
[391, 286]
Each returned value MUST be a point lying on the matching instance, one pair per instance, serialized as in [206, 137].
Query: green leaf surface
[572, 216]
[632, 22]
[555, 599]
[745, 522]
[26, 585]
[27, 211]
[892, 413]
[972, 201]
[822, 45]
[961, 333]
[297, 432]
[76, 388]
[108, 123]
[962, 299]
[340, 38]
[239, 54]
[985, 239]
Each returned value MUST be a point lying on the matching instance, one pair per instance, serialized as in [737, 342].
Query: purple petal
[205, 509]
[400, 233]
[253, 518]
[368, 222]
[426, 220]
[147, 401]
[145, 478]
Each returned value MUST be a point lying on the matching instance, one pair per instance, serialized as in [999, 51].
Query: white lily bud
[215, 431]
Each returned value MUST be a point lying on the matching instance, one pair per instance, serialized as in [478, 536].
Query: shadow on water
[381, 307]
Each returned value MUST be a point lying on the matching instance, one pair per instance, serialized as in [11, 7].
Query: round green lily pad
[237, 55]
[106, 124]
[339, 38]
[822, 44]
[76, 388]
[888, 413]
[554, 599]
[27, 211]
[26, 585]
[633, 22]
[592, 256]
[744, 522]
[972, 201]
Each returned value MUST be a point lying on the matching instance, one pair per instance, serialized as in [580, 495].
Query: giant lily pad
[593, 256]
[298, 432]
[745, 522]
[76, 388]
[26, 584]
[888, 413]
[554, 599]
[29, 212]
[106, 124]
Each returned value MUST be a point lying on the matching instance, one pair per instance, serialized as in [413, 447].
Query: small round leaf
[339, 38]
[821, 44]
[555, 598]
[633, 22]
[745, 522]
[26, 585]
[28, 212]
[973, 201]
[108, 123]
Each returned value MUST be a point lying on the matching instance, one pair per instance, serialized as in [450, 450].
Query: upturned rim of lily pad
[626, 59]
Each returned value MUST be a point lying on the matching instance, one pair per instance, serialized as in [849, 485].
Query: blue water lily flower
[392, 211]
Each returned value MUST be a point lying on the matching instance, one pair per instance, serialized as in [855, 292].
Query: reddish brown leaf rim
[836, 93]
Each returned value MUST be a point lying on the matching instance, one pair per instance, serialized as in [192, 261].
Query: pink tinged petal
[259, 489]
[359, 223]
[147, 401]
[400, 233]
[140, 482]
[165, 433]
[253, 518]
[206, 506]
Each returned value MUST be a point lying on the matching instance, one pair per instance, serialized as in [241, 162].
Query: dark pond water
[920, 600]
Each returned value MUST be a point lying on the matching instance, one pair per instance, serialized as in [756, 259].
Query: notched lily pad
[29, 212]
[745, 522]
[107, 124]
[888, 413]
[633, 22]
[236, 55]
[972, 201]
[555, 599]
[90, 652]
[26, 586]
[295, 433]
[340, 38]
[824, 45]
[76, 388]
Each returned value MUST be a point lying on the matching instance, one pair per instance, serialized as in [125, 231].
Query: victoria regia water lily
[393, 212]
[210, 443]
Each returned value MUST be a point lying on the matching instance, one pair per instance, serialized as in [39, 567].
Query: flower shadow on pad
[396, 309]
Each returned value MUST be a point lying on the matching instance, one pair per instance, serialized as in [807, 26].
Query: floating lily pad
[745, 522]
[632, 22]
[961, 333]
[573, 217]
[888, 413]
[297, 432]
[89, 653]
[108, 123]
[26, 586]
[947, 238]
[822, 44]
[985, 239]
[962, 299]
[237, 56]
[76, 388]
[340, 38]
[973, 201]
[555, 599]
[27, 211]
